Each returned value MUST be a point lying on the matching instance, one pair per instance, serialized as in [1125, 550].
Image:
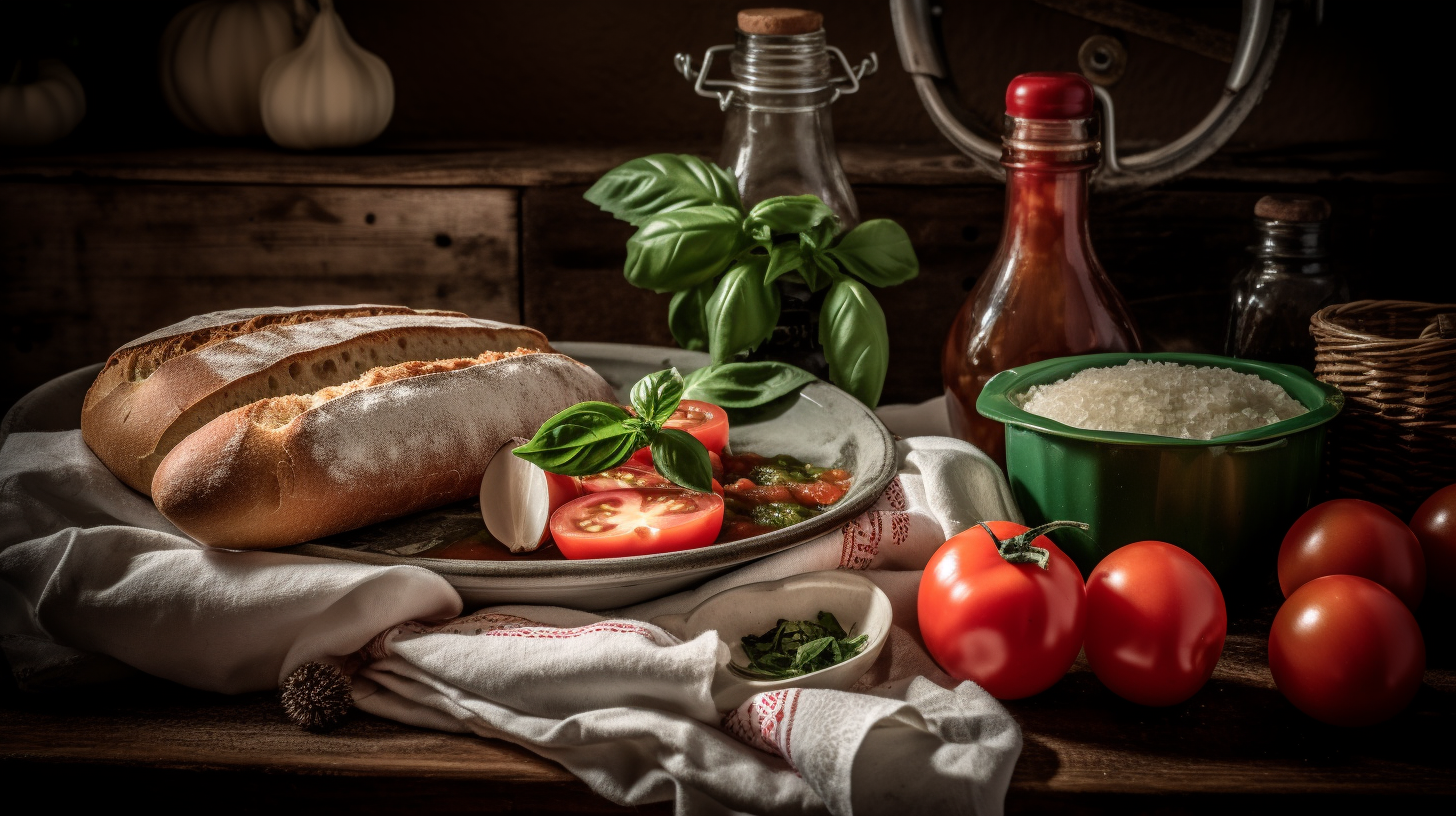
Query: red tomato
[1013, 628]
[1435, 527]
[1156, 623]
[1346, 651]
[816, 493]
[705, 421]
[640, 521]
[1353, 537]
[623, 477]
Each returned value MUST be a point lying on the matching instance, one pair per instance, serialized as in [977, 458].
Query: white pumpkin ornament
[40, 112]
[213, 57]
[329, 92]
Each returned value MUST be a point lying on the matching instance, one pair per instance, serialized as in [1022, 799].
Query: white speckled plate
[824, 426]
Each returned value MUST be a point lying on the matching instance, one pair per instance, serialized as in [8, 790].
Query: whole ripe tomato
[1156, 623]
[1014, 628]
[1435, 527]
[1346, 651]
[1353, 537]
[639, 521]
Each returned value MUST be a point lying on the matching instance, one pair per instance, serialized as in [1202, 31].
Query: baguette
[396, 440]
[155, 391]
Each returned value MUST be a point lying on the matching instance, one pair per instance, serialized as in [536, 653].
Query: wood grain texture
[459, 164]
[1171, 252]
[87, 267]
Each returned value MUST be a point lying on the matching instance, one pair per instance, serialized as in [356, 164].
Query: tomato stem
[1019, 550]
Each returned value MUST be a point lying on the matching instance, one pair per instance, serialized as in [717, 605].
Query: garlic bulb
[327, 93]
[42, 111]
[213, 56]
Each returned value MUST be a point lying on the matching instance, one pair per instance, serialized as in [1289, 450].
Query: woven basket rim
[1329, 323]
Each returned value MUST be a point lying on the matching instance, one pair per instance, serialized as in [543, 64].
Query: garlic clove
[328, 92]
[517, 499]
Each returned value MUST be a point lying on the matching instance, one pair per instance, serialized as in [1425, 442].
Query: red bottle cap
[1049, 95]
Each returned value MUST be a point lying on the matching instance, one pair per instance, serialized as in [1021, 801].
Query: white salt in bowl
[1227, 500]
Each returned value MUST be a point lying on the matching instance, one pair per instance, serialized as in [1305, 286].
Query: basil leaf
[661, 183]
[745, 385]
[656, 396]
[586, 438]
[683, 460]
[809, 651]
[878, 252]
[855, 340]
[790, 214]
[743, 309]
[687, 316]
[684, 248]
[783, 258]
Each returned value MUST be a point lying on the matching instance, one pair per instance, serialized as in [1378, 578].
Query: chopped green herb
[793, 648]
[781, 514]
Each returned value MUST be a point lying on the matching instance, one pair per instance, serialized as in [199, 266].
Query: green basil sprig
[591, 437]
[745, 385]
[723, 263]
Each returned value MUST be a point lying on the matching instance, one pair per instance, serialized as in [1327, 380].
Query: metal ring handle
[1261, 35]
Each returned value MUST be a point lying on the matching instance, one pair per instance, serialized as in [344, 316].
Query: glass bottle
[778, 139]
[1286, 282]
[1044, 294]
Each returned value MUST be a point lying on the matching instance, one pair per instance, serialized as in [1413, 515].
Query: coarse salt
[1162, 399]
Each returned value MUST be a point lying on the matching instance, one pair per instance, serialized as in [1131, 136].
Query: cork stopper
[1299, 208]
[779, 21]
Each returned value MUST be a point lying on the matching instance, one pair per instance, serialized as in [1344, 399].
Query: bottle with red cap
[1045, 294]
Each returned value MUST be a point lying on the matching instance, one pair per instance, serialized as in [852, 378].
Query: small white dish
[860, 607]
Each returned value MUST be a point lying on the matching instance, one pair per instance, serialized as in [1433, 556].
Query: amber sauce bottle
[1044, 294]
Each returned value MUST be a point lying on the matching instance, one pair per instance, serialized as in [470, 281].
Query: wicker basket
[1395, 361]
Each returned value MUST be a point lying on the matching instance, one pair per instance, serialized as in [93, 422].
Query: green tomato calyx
[1019, 550]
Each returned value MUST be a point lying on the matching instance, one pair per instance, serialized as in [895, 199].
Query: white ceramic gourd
[213, 56]
[40, 112]
[327, 93]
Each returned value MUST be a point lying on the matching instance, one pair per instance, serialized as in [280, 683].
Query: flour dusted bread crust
[286, 470]
[155, 391]
[269, 427]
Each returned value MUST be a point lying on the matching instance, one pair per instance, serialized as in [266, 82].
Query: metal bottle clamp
[1261, 35]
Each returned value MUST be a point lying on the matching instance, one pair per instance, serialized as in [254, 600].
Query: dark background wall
[506, 111]
[593, 71]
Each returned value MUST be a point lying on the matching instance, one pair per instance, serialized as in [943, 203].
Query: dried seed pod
[317, 696]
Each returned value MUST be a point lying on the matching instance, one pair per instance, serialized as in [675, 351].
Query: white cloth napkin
[94, 580]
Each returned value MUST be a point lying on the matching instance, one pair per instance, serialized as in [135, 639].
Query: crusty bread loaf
[155, 391]
[397, 440]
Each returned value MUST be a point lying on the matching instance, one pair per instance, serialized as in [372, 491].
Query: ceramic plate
[824, 426]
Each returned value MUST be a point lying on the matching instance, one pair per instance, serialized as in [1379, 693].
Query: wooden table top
[1237, 743]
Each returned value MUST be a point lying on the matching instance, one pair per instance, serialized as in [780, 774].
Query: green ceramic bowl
[1227, 500]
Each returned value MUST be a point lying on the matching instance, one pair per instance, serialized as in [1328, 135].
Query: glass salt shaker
[778, 138]
[1286, 282]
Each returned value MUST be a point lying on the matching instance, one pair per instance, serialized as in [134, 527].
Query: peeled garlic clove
[517, 499]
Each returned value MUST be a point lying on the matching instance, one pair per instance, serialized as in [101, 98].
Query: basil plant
[722, 263]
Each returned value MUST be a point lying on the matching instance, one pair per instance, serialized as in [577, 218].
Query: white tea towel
[88, 569]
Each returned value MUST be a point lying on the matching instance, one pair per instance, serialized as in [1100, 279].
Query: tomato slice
[638, 521]
[623, 477]
[705, 421]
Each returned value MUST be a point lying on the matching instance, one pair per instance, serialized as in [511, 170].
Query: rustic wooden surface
[96, 249]
[1236, 744]
[87, 267]
[470, 164]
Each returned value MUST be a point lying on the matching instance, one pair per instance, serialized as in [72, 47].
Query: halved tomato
[624, 477]
[705, 421]
[639, 521]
